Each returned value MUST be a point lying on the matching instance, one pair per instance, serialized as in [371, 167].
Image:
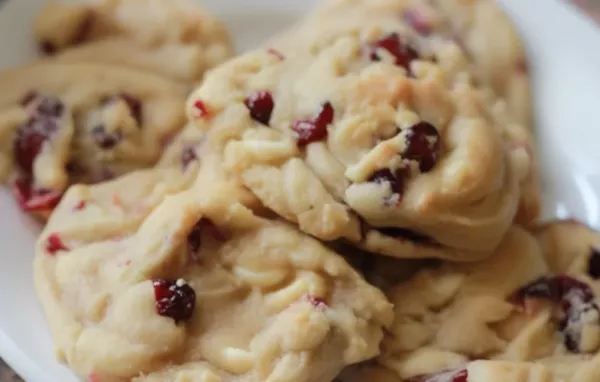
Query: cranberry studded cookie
[67, 123]
[531, 309]
[468, 37]
[175, 38]
[199, 288]
[370, 142]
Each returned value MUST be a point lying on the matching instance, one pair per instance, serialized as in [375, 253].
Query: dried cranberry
[418, 21]
[325, 116]
[402, 52]
[276, 53]
[80, 206]
[201, 109]
[54, 244]
[445, 376]
[43, 200]
[261, 106]
[594, 264]
[423, 145]
[174, 299]
[579, 309]
[48, 106]
[544, 287]
[317, 302]
[576, 301]
[194, 240]
[395, 180]
[314, 130]
[35, 200]
[27, 145]
[104, 139]
[31, 135]
[188, 155]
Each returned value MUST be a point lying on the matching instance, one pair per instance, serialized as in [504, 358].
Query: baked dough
[67, 123]
[491, 52]
[174, 38]
[531, 309]
[398, 153]
[192, 286]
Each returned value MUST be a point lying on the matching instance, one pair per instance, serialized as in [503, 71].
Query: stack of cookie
[355, 201]
[106, 97]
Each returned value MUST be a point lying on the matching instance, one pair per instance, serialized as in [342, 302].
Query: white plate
[563, 46]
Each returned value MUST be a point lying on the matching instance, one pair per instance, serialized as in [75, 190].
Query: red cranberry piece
[194, 239]
[579, 309]
[418, 21]
[317, 302]
[576, 301]
[314, 130]
[35, 201]
[402, 52]
[49, 106]
[545, 287]
[44, 200]
[276, 53]
[26, 147]
[461, 375]
[188, 155]
[31, 135]
[261, 106]
[80, 206]
[423, 145]
[594, 264]
[201, 109]
[174, 299]
[104, 139]
[396, 180]
[54, 244]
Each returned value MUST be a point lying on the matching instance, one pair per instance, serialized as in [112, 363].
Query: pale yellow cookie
[369, 142]
[175, 38]
[192, 286]
[67, 123]
[531, 309]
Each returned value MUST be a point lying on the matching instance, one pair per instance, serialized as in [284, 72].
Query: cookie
[491, 52]
[81, 123]
[168, 286]
[384, 148]
[175, 38]
[534, 301]
[483, 371]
